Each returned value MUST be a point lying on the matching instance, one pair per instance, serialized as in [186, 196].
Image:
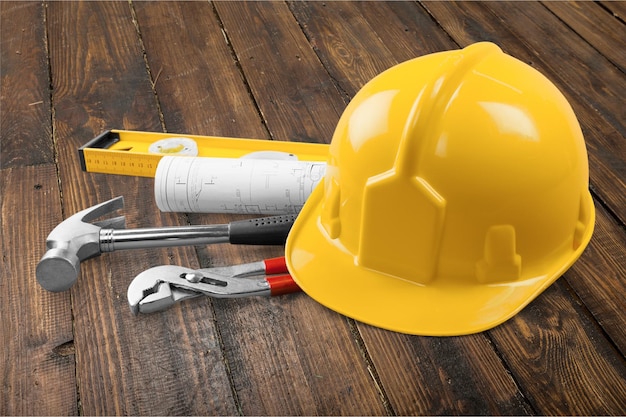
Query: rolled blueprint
[240, 186]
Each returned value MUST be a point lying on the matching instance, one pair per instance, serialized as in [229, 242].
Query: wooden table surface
[282, 71]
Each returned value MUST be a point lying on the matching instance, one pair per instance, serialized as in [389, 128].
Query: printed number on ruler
[127, 164]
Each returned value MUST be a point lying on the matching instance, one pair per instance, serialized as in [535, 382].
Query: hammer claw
[101, 209]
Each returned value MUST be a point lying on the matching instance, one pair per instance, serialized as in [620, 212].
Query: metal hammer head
[72, 241]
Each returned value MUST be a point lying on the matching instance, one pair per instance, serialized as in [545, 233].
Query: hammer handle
[262, 231]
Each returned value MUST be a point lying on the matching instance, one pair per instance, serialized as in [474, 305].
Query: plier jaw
[161, 298]
[160, 287]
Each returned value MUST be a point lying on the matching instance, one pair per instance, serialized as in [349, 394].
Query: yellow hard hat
[456, 191]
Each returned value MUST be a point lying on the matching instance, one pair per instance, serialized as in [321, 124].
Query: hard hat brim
[329, 273]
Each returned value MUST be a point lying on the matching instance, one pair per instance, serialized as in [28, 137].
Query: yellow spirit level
[134, 153]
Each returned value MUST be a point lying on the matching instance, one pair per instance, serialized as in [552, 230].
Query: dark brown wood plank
[200, 87]
[36, 344]
[36, 340]
[585, 18]
[443, 376]
[574, 63]
[616, 8]
[25, 126]
[272, 346]
[152, 364]
[355, 46]
[345, 54]
[302, 103]
[562, 359]
[593, 86]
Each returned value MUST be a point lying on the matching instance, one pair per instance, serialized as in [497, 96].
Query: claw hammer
[76, 239]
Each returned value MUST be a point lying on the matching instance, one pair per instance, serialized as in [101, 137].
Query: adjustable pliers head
[159, 288]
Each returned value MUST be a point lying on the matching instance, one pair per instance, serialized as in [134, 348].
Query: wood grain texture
[304, 104]
[197, 79]
[25, 109]
[598, 277]
[36, 344]
[616, 8]
[584, 18]
[562, 358]
[36, 341]
[358, 40]
[443, 376]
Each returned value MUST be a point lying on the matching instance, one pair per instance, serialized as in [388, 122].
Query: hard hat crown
[440, 155]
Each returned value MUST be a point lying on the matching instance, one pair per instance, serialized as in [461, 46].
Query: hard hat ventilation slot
[500, 262]
[330, 210]
[584, 213]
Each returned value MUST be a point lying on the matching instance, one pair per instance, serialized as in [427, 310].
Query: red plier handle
[279, 284]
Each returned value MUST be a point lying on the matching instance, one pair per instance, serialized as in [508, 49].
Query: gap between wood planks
[371, 368]
[153, 79]
[242, 74]
[345, 95]
[53, 136]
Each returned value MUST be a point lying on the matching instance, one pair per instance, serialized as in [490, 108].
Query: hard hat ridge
[405, 179]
